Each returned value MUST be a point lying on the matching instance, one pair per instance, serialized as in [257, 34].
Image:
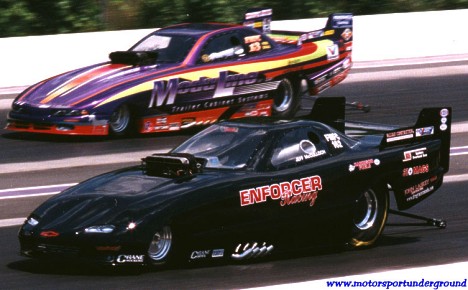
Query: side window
[222, 47]
[298, 147]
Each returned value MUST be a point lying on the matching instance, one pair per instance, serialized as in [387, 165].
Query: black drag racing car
[245, 189]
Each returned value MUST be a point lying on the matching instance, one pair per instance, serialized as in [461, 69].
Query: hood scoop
[133, 57]
[171, 165]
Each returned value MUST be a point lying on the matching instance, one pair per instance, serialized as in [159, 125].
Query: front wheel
[160, 246]
[120, 121]
[286, 99]
[369, 216]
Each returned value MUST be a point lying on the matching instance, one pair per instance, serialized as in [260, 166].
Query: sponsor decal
[310, 155]
[219, 103]
[334, 139]
[342, 21]
[347, 34]
[253, 42]
[364, 164]
[414, 154]
[399, 135]
[130, 258]
[426, 131]
[444, 113]
[203, 254]
[258, 14]
[161, 120]
[420, 189]
[217, 253]
[288, 192]
[415, 170]
[165, 92]
[333, 52]
[311, 35]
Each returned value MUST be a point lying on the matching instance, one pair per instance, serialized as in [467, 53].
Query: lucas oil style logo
[227, 84]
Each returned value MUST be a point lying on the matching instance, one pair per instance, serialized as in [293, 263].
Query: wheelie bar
[439, 223]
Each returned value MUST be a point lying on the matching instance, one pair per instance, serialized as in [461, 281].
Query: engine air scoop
[171, 165]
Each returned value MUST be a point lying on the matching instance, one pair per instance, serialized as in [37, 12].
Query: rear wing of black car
[425, 156]
[432, 123]
[420, 153]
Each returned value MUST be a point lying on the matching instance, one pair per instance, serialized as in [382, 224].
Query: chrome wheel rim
[366, 210]
[120, 119]
[282, 101]
[160, 244]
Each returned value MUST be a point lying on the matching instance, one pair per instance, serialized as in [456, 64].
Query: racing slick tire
[369, 216]
[160, 247]
[286, 99]
[120, 122]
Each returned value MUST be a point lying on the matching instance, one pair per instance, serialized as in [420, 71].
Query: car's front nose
[37, 119]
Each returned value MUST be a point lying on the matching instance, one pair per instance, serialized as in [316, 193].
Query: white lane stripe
[454, 272]
[37, 187]
[29, 195]
[455, 178]
[11, 222]
[130, 157]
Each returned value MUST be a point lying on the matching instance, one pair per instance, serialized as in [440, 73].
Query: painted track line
[12, 222]
[106, 159]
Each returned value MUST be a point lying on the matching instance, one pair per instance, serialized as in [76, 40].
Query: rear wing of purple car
[338, 26]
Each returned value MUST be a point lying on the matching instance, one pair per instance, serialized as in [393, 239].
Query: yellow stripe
[214, 73]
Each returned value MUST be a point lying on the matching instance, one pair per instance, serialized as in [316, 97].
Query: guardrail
[27, 60]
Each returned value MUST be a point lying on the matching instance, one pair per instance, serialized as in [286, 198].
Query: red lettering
[265, 192]
[244, 197]
[275, 191]
[255, 195]
[296, 187]
[285, 189]
[316, 182]
[306, 186]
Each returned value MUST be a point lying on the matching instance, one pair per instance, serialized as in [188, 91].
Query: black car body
[245, 189]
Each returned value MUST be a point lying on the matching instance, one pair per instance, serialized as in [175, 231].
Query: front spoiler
[58, 129]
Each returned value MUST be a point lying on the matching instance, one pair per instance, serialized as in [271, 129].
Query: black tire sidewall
[295, 101]
[361, 238]
[129, 129]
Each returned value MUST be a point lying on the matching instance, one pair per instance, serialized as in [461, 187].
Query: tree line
[33, 17]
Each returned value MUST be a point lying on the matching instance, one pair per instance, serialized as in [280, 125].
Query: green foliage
[34, 17]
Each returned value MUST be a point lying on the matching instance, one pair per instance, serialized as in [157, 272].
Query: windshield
[224, 146]
[170, 48]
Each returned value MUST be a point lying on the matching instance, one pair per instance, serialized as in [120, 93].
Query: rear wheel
[286, 99]
[120, 121]
[160, 246]
[369, 216]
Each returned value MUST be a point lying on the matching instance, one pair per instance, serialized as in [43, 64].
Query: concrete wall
[27, 60]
